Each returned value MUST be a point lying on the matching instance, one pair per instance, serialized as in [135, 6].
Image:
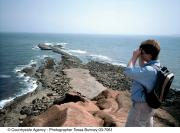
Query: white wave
[48, 43]
[32, 62]
[100, 57]
[29, 82]
[31, 85]
[26, 78]
[44, 56]
[62, 44]
[5, 101]
[66, 51]
[5, 76]
[78, 51]
[35, 47]
[119, 64]
[54, 43]
[21, 67]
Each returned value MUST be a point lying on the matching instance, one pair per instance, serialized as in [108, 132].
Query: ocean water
[19, 50]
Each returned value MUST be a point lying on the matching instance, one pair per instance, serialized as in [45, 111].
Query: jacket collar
[152, 62]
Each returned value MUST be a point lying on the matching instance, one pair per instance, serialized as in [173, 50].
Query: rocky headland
[71, 93]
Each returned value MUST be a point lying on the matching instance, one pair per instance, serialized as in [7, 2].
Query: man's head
[151, 48]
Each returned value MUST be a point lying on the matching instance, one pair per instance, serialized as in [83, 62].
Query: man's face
[145, 56]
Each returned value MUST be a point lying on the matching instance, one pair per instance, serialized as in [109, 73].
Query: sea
[20, 50]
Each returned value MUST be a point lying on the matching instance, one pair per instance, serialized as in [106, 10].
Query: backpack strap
[168, 76]
[157, 68]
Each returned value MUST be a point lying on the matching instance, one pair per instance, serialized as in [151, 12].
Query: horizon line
[85, 33]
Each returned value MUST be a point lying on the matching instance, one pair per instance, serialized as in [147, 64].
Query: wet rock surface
[109, 75]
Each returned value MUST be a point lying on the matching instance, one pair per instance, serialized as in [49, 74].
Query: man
[145, 74]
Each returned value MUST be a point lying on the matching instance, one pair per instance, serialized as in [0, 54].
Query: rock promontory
[71, 93]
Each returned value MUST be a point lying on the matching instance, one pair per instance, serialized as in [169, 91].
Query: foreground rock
[107, 109]
[172, 104]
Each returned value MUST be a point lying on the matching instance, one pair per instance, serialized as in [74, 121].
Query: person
[145, 75]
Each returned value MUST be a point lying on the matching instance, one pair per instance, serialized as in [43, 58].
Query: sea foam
[100, 57]
[29, 83]
[78, 51]
[5, 101]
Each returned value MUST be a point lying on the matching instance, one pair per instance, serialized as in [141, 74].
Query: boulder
[48, 63]
[76, 110]
[164, 117]
[26, 111]
[114, 107]
[69, 114]
[108, 109]
[2, 111]
[29, 71]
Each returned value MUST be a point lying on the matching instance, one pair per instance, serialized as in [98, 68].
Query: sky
[137, 17]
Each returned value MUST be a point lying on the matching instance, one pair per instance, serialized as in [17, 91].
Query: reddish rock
[109, 103]
[114, 106]
[69, 114]
[109, 108]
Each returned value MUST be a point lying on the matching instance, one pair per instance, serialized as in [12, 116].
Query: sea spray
[29, 83]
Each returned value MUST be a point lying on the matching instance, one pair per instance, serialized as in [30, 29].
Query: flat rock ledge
[82, 82]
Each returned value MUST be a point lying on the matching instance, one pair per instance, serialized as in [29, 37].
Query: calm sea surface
[18, 50]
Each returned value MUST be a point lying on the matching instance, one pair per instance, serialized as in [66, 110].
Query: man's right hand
[132, 61]
[136, 53]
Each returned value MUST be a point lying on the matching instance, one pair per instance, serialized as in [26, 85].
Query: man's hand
[136, 54]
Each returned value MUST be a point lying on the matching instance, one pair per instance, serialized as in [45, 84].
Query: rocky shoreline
[54, 86]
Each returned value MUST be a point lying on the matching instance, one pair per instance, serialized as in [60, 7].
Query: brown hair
[151, 47]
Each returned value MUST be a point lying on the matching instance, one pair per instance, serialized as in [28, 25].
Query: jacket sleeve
[143, 75]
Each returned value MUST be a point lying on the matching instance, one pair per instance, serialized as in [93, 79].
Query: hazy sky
[150, 17]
